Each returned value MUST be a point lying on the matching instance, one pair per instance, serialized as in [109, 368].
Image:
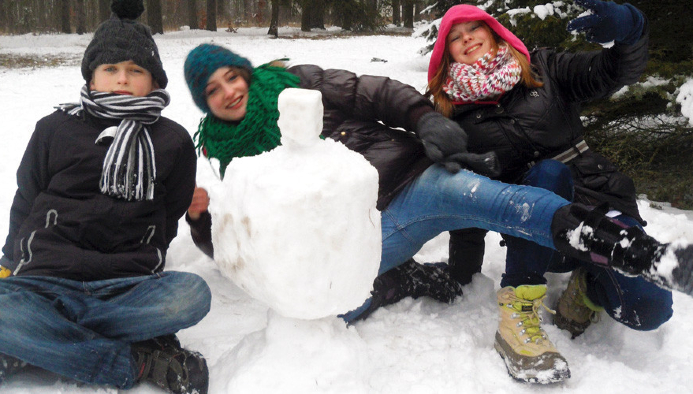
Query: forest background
[640, 128]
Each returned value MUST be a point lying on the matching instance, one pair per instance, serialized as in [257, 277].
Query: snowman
[297, 228]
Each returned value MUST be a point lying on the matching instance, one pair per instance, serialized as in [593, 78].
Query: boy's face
[227, 94]
[122, 78]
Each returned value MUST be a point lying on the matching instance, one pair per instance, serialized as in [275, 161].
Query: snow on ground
[415, 346]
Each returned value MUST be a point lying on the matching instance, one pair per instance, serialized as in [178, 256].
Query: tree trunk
[274, 21]
[42, 24]
[317, 15]
[104, 10]
[65, 16]
[408, 13]
[192, 14]
[81, 18]
[396, 13]
[154, 18]
[312, 14]
[248, 10]
[222, 12]
[212, 15]
[305, 14]
[4, 20]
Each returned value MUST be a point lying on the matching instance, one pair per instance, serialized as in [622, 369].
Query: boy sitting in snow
[101, 188]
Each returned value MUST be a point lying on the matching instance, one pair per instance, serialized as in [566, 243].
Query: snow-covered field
[415, 346]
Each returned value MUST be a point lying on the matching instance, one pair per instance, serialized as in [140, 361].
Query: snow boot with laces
[575, 311]
[524, 346]
[163, 362]
[589, 235]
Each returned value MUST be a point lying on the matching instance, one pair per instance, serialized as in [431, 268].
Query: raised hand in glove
[621, 23]
[445, 143]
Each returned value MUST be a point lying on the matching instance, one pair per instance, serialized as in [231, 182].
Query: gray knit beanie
[122, 38]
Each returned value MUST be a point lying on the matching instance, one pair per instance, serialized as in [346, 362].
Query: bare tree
[408, 13]
[104, 10]
[192, 14]
[212, 15]
[65, 16]
[312, 14]
[274, 21]
[396, 12]
[81, 18]
[154, 18]
[222, 12]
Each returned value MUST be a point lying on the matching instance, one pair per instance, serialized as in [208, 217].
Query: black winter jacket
[367, 114]
[61, 225]
[527, 125]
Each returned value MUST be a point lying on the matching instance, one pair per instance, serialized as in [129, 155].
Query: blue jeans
[83, 330]
[439, 201]
[525, 261]
[632, 301]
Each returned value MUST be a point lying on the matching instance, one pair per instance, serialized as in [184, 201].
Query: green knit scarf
[258, 131]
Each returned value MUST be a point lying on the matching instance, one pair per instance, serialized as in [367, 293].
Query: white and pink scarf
[486, 79]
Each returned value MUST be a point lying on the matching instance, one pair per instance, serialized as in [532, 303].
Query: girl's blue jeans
[83, 330]
[632, 301]
[439, 201]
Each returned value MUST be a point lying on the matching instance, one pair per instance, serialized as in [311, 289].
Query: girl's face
[122, 78]
[469, 41]
[227, 94]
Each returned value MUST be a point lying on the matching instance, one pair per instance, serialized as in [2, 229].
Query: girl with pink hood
[525, 107]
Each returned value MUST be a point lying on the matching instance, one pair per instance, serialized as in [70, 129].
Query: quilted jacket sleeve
[593, 75]
[365, 97]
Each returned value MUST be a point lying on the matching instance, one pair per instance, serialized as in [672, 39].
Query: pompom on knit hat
[202, 62]
[467, 13]
[122, 38]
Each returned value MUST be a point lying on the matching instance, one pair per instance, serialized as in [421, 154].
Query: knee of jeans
[194, 293]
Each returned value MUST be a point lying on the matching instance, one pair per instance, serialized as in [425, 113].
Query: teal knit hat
[202, 62]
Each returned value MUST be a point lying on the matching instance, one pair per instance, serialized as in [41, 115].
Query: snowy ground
[416, 346]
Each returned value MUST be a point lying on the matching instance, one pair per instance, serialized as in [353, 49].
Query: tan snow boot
[575, 311]
[527, 351]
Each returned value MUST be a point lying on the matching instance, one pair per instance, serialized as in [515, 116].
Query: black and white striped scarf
[129, 169]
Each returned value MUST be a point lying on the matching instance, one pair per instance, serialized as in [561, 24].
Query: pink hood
[467, 13]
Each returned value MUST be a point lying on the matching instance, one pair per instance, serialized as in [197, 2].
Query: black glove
[445, 143]
[609, 22]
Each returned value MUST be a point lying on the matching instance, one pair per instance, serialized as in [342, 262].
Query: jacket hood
[467, 13]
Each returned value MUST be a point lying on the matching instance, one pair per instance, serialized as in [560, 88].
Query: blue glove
[609, 22]
[445, 142]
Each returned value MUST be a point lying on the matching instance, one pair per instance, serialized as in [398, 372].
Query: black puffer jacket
[528, 125]
[60, 223]
[354, 107]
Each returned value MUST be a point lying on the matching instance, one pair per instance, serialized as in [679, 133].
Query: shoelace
[530, 319]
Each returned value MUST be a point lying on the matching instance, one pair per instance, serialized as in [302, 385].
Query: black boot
[589, 235]
[164, 362]
[9, 366]
[466, 253]
[411, 279]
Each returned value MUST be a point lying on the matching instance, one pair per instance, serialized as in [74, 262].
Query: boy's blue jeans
[83, 330]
